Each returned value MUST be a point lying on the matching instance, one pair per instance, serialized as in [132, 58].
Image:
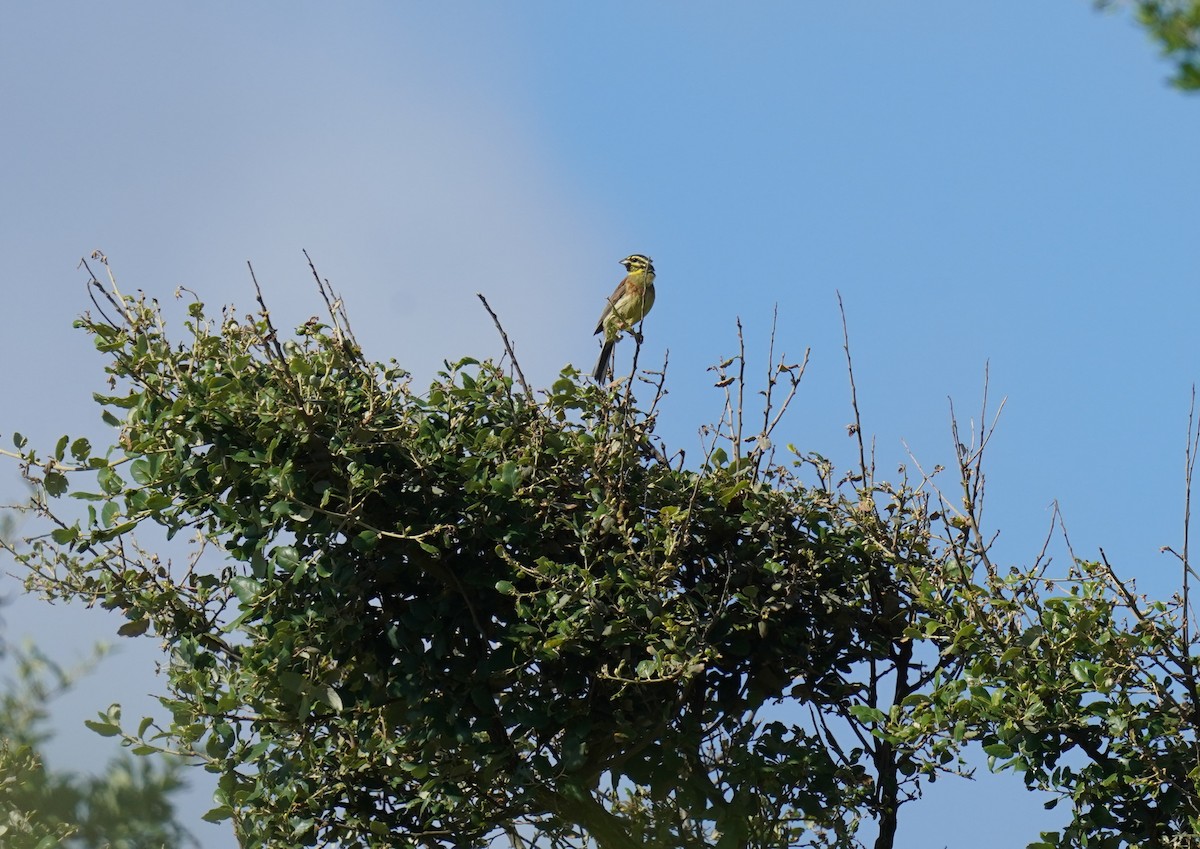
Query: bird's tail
[602, 364]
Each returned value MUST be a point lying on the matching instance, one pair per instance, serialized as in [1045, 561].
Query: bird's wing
[608, 307]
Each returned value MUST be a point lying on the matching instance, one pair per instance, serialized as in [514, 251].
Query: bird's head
[638, 262]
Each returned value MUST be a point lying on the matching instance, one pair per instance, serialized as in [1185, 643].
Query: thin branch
[507, 345]
[1189, 472]
[627, 399]
[970, 467]
[97, 285]
[741, 385]
[1062, 524]
[117, 302]
[335, 306]
[867, 474]
[1042, 562]
[659, 384]
[796, 374]
[272, 340]
[772, 372]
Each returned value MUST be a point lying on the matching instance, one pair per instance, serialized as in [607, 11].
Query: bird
[627, 305]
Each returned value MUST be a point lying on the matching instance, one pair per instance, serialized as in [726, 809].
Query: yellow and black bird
[633, 298]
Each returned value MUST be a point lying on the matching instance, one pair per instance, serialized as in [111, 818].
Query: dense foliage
[435, 618]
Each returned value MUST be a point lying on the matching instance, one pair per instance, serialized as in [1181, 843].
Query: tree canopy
[437, 618]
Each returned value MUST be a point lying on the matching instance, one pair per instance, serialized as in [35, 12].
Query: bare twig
[796, 374]
[272, 338]
[867, 473]
[1042, 562]
[772, 372]
[659, 384]
[627, 399]
[741, 385]
[657, 379]
[1189, 469]
[335, 306]
[93, 283]
[507, 345]
[114, 298]
[1062, 524]
[1176, 653]
[764, 450]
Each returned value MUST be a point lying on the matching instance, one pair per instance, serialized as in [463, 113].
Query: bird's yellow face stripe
[638, 262]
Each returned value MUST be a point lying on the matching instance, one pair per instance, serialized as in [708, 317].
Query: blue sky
[1006, 183]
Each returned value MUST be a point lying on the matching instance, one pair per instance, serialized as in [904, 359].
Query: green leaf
[998, 750]
[286, 557]
[89, 496]
[731, 492]
[110, 481]
[365, 540]
[505, 588]
[81, 449]
[245, 588]
[330, 696]
[110, 511]
[104, 729]
[1083, 672]
[139, 470]
[135, 628]
[126, 402]
[114, 532]
[65, 536]
[217, 815]
[508, 477]
[866, 713]
[55, 483]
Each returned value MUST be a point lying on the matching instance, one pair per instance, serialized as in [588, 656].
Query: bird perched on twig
[633, 298]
